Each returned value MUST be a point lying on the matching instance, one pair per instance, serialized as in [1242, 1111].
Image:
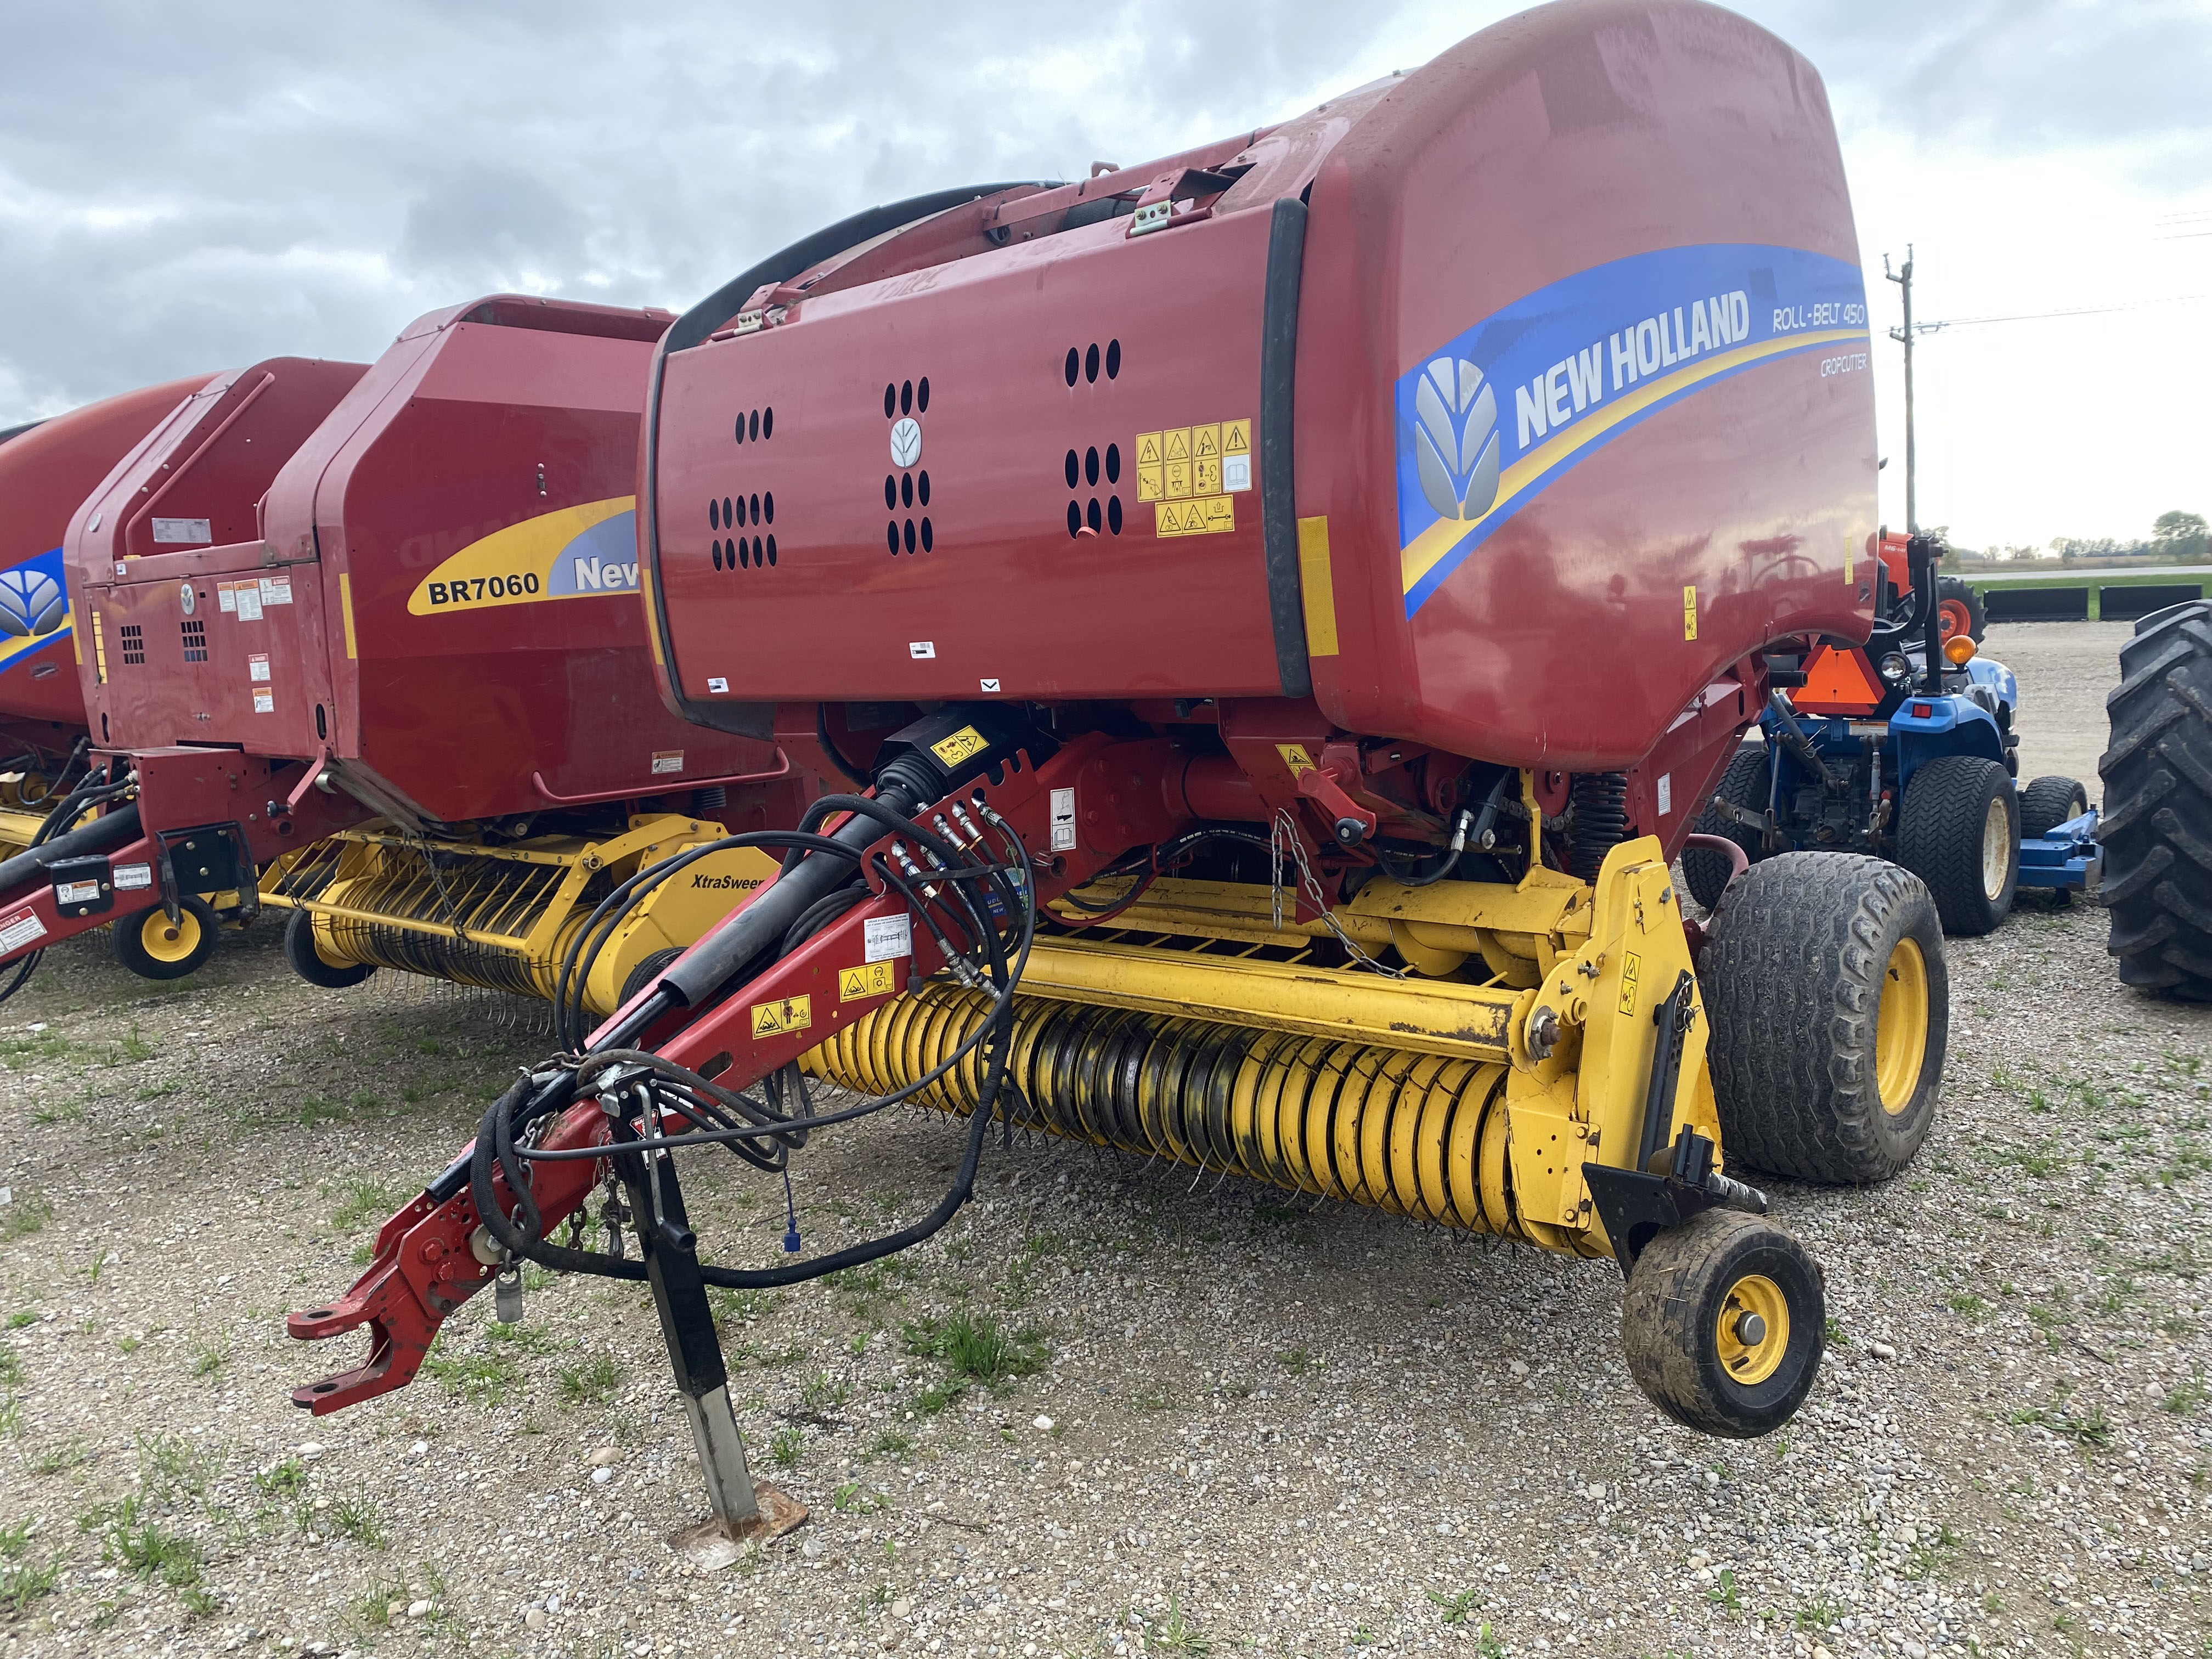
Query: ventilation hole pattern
[1084, 364]
[904, 492]
[756, 426]
[132, 638]
[194, 640]
[743, 512]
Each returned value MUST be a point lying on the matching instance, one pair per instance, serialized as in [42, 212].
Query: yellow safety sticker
[1849, 548]
[1191, 474]
[782, 1017]
[1629, 971]
[1689, 613]
[1295, 756]
[872, 979]
[960, 745]
[1317, 587]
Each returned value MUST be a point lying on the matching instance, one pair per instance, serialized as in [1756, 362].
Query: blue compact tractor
[1904, 748]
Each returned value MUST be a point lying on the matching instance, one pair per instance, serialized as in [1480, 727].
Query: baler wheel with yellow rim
[1724, 1323]
[153, 947]
[1823, 974]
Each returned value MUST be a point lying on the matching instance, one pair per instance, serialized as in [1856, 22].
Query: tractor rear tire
[1724, 1323]
[309, 963]
[1963, 613]
[1824, 981]
[1744, 784]
[2047, 803]
[150, 948]
[1960, 833]
[2157, 826]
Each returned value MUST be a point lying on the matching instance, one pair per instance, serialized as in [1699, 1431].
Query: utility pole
[1903, 278]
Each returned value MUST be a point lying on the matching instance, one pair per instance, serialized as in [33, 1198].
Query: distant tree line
[2178, 536]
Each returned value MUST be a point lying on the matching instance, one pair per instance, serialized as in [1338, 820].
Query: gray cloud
[184, 188]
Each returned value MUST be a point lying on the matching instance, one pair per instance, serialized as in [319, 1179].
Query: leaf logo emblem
[1455, 438]
[32, 604]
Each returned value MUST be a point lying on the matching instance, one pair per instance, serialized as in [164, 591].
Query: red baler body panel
[44, 473]
[1615, 239]
[443, 593]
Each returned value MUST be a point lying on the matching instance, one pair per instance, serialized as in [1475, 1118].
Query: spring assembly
[1601, 820]
[1411, 1133]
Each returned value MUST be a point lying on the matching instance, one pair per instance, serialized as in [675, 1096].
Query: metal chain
[1284, 831]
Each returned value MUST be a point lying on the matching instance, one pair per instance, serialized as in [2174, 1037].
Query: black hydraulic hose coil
[1600, 822]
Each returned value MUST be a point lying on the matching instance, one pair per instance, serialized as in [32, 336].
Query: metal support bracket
[1637, 1207]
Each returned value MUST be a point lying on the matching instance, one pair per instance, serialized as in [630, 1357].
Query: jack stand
[742, 1513]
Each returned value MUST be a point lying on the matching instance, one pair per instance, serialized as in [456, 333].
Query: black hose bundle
[828, 875]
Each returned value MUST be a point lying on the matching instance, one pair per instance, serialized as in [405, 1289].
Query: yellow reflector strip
[1319, 592]
[99, 649]
[345, 609]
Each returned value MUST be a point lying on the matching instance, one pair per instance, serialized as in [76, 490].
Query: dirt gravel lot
[1223, 1423]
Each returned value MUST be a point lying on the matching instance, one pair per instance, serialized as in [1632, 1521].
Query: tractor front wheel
[2047, 803]
[1745, 785]
[1724, 1324]
[152, 947]
[1960, 833]
[1824, 980]
[311, 964]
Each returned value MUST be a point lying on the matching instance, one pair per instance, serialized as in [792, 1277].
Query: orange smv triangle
[1838, 682]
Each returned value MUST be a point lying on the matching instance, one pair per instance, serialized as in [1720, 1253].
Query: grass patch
[977, 1347]
[360, 1200]
[210, 1358]
[481, 1379]
[593, 1382]
[354, 1518]
[28, 1215]
[787, 1448]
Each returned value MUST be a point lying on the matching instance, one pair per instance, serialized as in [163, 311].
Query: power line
[2044, 316]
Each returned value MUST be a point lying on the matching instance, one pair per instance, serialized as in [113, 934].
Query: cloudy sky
[185, 188]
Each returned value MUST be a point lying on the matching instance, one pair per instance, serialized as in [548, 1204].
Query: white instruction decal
[667, 760]
[226, 598]
[76, 892]
[182, 530]
[277, 590]
[1235, 473]
[718, 688]
[888, 937]
[264, 702]
[1063, 820]
[248, 597]
[131, 876]
[921, 650]
[257, 666]
[20, 928]
[1666, 793]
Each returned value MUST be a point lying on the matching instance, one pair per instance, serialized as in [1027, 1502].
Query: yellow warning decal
[1849, 548]
[1191, 475]
[1629, 971]
[1689, 613]
[783, 1016]
[872, 979]
[960, 745]
[1295, 756]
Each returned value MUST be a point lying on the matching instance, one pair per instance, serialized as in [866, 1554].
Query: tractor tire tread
[307, 962]
[2047, 803]
[2157, 773]
[1791, 977]
[1939, 838]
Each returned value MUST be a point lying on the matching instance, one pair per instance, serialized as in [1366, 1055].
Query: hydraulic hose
[114, 830]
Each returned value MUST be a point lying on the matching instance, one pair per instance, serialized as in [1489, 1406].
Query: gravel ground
[1222, 1423]
[2064, 669]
